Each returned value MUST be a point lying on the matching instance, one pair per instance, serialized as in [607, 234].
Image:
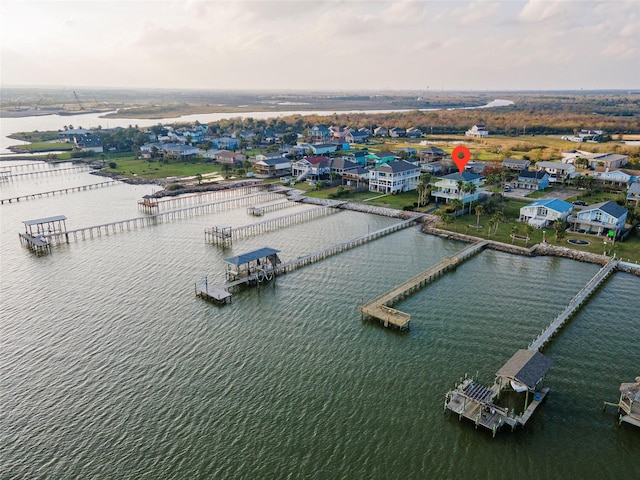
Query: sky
[322, 45]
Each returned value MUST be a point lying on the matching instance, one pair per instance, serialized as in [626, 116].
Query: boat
[518, 387]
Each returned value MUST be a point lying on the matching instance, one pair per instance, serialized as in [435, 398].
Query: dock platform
[380, 307]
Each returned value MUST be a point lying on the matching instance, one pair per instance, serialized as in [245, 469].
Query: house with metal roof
[633, 194]
[558, 171]
[544, 212]
[447, 188]
[273, 167]
[515, 164]
[532, 180]
[394, 177]
[599, 219]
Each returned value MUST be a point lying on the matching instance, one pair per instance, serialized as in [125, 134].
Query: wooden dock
[223, 235]
[270, 272]
[259, 211]
[210, 292]
[577, 301]
[151, 220]
[61, 191]
[152, 206]
[56, 171]
[380, 307]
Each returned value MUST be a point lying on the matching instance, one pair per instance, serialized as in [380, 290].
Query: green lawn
[133, 167]
[397, 202]
[43, 147]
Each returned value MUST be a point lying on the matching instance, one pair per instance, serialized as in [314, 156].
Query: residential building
[230, 158]
[619, 177]
[310, 167]
[394, 177]
[447, 188]
[268, 155]
[225, 143]
[542, 213]
[358, 157]
[356, 177]
[607, 160]
[356, 137]
[599, 219]
[532, 180]
[414, 132]
[633, 194]
[515, 164]
[322, 148]
[319, 134]
[273, 167]
[431, 154]
[558, 171]
[477, 131]
[397, 132]
[380, 158]
[381, 132]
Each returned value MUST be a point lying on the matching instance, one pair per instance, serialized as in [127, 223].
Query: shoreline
[537, 250]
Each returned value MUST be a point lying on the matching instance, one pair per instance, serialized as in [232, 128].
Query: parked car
[580, 203]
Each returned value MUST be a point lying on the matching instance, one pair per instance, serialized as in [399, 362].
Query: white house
[600, 218]
[447, 188]
[544, 212]
[394, 177]
[558, 171]
[608, 160]
[477, 131]
[633, 194]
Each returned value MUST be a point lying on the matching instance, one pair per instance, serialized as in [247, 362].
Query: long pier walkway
[224, 236]
[574, 305]
[153, 206]
[33, 196]
[57, 171]
[150, 220]
[292, 265]
[380, 307]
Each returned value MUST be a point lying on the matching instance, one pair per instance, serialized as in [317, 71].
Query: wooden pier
[27, 166]
[268, 272]
[151, 220]
[53, 193]
[223, 235]
[36, 231]
[152, 206]
[259, 211]
[577, 301]
[57, 171]
[380, 307]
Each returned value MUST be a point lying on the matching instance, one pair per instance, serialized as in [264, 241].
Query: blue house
[600, 219]
[225, 143]
[532, 180]
[544, 212]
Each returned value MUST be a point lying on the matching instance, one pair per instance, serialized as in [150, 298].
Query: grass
[131, 167]
[628, 249]
[398, 201]
[43, 147]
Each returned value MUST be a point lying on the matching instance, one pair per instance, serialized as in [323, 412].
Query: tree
[559, 226]
[497, 218]
[514, 231]
[199, 178]
[528, 230]
[490, 225]
[460, 184]
[479, 209]
[445, 217]
[457, 205]
[470, 188]
[290, 138]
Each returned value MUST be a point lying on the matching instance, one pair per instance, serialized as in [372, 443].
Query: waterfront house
[88, 143]
[356, 177]
[477, 131]
[273, 167]
[558, 171]
[230, 158]
[268, 155]
[515, 164]
[310, 167]
[211, 154]
[339, 164]
[532, 180]
[633, 194]
[599, 219]
[447, 188]
[542, 213]
[394, 177]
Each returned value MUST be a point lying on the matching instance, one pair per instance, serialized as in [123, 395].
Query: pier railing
[574, 305]
[61, 191]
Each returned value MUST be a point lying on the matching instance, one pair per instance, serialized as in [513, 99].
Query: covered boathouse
[37, 231]
[522, 373]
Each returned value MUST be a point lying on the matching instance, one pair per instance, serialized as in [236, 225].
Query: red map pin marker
[461, 156]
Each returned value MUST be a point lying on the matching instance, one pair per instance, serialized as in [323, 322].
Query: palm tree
[490, 225]
[446, 218]
[497, 218]
[528, 229]
[479, 210]
[457, 205]
[514, 231]
[460, 184]
[470, 188]
[559, 226]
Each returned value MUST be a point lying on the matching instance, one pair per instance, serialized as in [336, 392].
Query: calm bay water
[110, 367]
